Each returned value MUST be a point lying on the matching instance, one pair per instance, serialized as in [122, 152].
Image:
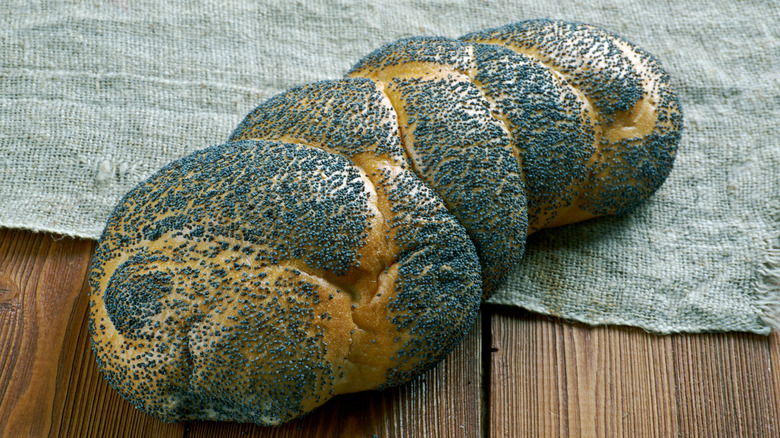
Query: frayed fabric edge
[768, 284]
[59, 232]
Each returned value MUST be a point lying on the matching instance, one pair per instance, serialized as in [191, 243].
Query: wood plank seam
[486, 383]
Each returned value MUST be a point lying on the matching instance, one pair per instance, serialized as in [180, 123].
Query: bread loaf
[253, 281]
[327, 247]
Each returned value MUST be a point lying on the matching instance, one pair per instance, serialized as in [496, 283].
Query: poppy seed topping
[343, 238]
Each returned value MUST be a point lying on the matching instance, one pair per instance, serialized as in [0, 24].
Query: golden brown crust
[627, 97]
[253, 281]
[590, 119]
[456, 145]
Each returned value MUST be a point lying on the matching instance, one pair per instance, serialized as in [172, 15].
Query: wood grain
[41, 279]
[551, 378]
[774, 360]
[723, 382]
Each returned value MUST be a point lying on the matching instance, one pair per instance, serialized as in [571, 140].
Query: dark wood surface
[517, 374]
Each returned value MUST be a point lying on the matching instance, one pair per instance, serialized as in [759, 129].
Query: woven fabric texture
[97, 95]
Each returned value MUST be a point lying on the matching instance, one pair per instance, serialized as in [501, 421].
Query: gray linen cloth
[97, 95]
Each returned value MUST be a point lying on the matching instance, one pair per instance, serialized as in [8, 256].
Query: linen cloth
[97, 95]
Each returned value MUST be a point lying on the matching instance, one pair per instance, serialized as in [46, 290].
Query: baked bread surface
[252, 281]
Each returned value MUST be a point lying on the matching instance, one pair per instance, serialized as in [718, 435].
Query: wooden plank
[40, 279]
[546, 377]
[444, 402]
[724, 385]
[40, 282]
[43, 344]
[551, 378]
[774, 361]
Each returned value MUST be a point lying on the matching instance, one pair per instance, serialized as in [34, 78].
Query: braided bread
[252, 281]
[532, 125]
[343, 237]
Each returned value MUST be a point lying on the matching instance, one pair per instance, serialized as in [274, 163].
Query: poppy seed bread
[253, 281]
[343, 237]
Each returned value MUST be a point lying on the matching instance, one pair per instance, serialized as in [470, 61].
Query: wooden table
[517, 374]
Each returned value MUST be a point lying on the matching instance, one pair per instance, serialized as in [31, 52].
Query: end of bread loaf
[635, 112]
[253, 281]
